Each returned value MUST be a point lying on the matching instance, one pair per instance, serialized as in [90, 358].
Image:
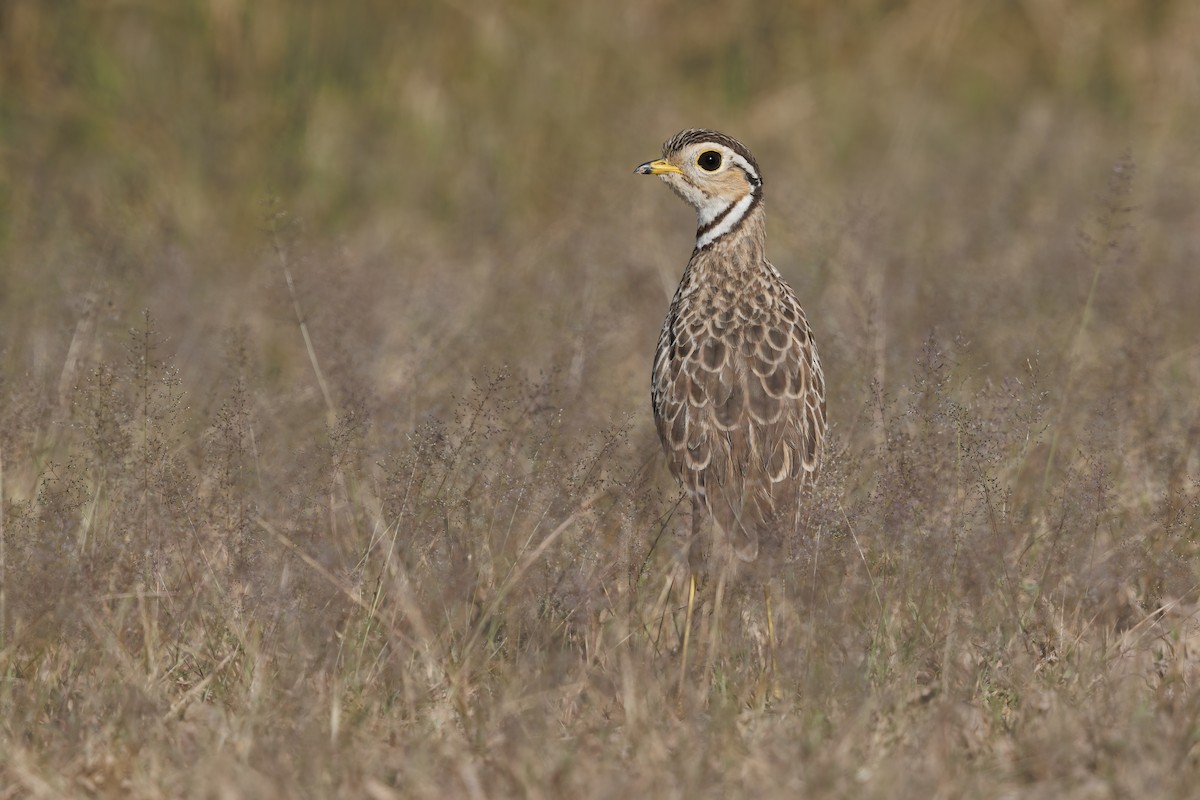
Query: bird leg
[694, 561]
[714, 617]
[772, 665]
[687, 635]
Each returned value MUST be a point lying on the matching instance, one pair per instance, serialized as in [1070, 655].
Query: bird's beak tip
[659, 167]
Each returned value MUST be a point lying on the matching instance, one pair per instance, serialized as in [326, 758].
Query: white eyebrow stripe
[745, 165]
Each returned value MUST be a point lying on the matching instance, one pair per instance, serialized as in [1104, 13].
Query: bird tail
[752, 516]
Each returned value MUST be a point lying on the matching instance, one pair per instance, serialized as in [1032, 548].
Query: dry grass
[326, 465]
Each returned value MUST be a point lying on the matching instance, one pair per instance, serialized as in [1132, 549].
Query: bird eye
[709, 161]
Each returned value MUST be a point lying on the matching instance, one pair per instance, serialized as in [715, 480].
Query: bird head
[714, 173]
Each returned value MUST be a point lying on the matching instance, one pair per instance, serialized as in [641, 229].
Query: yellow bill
[657, 167]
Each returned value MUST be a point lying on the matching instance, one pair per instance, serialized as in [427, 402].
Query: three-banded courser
[738, 393]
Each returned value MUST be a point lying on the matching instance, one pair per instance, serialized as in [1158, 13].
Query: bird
[737, 389]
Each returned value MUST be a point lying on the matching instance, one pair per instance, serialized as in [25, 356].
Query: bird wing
[739, 403]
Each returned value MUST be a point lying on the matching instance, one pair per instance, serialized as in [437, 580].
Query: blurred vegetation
[326, 465]
[132, 128]
[183, 116]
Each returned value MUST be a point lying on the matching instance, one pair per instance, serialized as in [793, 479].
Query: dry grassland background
[421, 545]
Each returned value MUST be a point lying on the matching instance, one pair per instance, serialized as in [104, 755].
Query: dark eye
[709, 160]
